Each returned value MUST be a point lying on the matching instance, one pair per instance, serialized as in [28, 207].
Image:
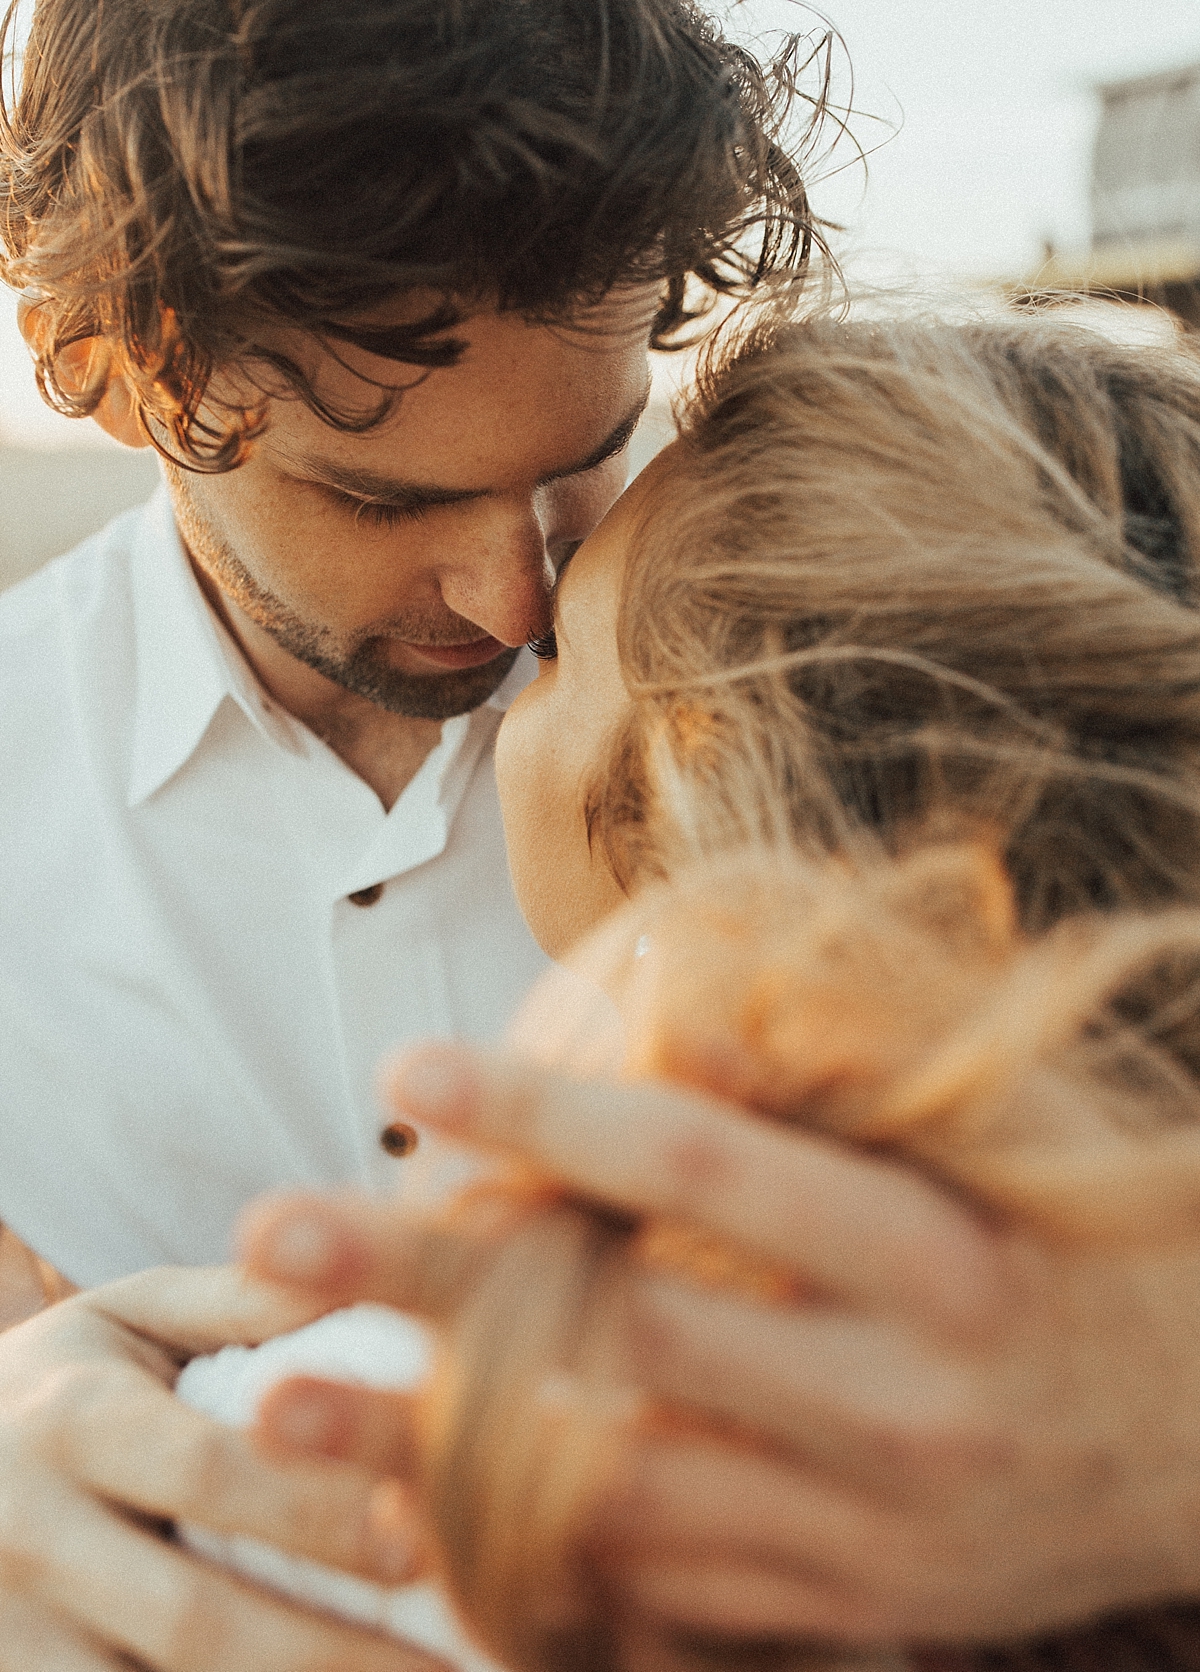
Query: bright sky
[986, 122]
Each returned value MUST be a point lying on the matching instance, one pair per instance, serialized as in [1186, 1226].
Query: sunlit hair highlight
[899, 572]
[178, 180]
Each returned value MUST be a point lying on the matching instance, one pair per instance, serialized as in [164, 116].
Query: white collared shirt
[191, 1007]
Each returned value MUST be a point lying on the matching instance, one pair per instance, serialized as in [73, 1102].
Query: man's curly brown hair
[177, 175]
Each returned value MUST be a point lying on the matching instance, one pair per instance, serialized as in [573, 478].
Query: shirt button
[399, 1138]
[367, 896]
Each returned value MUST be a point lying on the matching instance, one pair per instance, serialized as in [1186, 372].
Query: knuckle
[697, 1168]
[208, 1468]
[213, 1622]
[25, 1551]
[54, 1411]
[196, 1627]
[88, 1413]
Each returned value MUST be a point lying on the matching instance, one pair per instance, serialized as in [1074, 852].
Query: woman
[877, 698]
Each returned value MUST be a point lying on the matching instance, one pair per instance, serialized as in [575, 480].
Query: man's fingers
[126, 1438]
[311, 1416]
[682, 1496]
[689, 1507]
[199, 1310]
[172, 1612]
[31, 1636]
[732, 1600]
[857, 1226]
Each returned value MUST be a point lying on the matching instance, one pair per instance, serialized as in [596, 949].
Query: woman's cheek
[528, 780]
[541, 766]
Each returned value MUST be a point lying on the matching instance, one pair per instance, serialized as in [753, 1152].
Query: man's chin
[423, 696]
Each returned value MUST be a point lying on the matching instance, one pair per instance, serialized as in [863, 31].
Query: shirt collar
[418, 826]
[187, 664]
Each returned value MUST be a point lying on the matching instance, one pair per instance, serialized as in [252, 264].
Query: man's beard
[366, 672]
[361, 666]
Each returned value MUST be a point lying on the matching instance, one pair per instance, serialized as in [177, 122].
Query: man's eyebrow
[375, 489]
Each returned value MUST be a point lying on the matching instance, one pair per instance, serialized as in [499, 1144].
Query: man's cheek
[585, 503]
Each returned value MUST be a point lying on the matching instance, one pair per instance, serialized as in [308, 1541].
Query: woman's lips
[472, 655]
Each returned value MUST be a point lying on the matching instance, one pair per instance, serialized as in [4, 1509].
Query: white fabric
[367, 1344]
[191, 1010]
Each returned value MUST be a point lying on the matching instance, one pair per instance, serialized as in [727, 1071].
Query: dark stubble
[359, 665]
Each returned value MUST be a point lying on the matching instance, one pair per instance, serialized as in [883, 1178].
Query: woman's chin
[561, 917]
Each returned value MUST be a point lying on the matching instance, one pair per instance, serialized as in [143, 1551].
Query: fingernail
[394, 1548]
[435, 1084]
[302, 1250]
[305, 1421]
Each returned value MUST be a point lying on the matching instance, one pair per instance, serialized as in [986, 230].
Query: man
[378, 281]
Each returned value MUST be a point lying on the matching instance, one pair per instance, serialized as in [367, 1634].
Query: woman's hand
[96, 1456]
[965, 1436]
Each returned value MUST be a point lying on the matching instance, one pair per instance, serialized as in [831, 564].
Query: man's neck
[385, 750]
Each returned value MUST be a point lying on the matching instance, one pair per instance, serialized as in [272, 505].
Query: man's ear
[79, 365]
[117, 414]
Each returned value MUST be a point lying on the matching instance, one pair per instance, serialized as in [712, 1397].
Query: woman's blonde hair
[908, 798]
[902, 574]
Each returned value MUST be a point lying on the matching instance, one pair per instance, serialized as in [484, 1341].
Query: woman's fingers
[30, 1636]
[858, 1227]
[93, 1447]
[194, 1310]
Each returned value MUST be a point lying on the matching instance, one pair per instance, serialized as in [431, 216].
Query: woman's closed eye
[545, 646]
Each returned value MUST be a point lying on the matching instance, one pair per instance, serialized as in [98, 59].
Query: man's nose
[503, 581]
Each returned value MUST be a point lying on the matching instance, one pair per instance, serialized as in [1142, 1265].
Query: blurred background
[1011, 149]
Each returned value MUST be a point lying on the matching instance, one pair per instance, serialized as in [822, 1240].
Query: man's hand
[966, 1436]
[96, 1455]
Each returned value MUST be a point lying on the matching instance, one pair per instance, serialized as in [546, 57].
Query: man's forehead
[371, 344]
[564, 397]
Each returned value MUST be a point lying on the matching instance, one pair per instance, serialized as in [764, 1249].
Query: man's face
[409, 563]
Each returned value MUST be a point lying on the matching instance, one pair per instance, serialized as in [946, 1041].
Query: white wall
[50, 500]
